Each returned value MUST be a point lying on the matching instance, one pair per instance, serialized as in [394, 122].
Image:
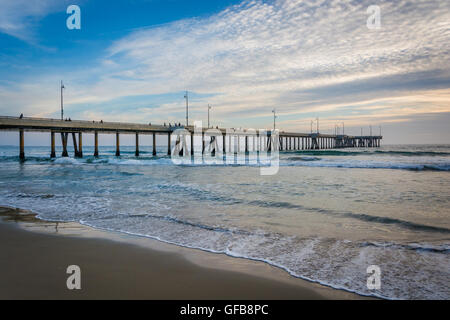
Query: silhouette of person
[21, 116]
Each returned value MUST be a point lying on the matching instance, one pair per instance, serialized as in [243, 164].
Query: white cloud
[18, 18]
[270, 50]
[298, 56]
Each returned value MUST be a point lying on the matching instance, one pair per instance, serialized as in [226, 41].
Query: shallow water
[325, 216]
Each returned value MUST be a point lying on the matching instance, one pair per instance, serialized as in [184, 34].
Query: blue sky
[132, 61]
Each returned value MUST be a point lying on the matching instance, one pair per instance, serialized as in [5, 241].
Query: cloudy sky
[133, 60]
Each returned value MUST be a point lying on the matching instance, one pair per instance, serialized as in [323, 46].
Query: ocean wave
[124, 173]
[444, 248]
[67, 160]
[352, 164]
[398, 222]
[428, 167]
[303, 159]
[363, 152]
[42, 196]
[441, 249]
[413, 160]
[330, 152]
[358, 216]
[32, 159]
[293, 161]
[192, 224]
[412, 153]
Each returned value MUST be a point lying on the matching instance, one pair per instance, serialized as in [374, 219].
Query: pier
[262, 140]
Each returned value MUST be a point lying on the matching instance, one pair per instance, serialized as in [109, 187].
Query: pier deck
[263, 140]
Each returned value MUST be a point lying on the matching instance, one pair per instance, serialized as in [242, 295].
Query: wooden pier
[261, 139]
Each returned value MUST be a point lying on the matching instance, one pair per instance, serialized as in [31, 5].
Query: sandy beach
[36, 253]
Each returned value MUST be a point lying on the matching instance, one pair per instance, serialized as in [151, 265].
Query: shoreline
[116, 265]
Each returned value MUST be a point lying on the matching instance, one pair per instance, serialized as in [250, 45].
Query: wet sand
[35, 254]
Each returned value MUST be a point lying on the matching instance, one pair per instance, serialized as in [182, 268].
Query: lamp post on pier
[187, 108]
[209, 108]
[274, 117]
[62, 103]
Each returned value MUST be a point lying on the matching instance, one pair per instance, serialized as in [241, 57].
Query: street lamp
[274, 117]
[62, 104]
[187, 108]
[209, 108]
[317, 124]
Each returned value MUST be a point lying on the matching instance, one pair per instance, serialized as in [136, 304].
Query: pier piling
[80, 145]
[192, 144]
[75, 145]
[95, 144]
[246, 144]
[52, 142]
[154, 144]
[168, 144]
[117, 144]
[64, 136]
[137, 145]
[22, 145]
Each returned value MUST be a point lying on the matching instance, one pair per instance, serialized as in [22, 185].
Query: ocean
[325, 216]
